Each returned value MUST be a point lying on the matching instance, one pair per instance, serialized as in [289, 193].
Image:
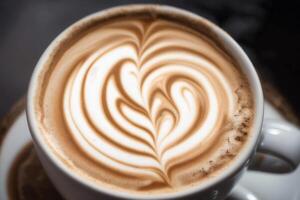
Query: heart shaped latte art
[148, 97]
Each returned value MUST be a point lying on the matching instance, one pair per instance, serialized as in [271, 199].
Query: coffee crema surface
[145, 106]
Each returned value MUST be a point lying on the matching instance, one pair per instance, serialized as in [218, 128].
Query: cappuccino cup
[149, 102]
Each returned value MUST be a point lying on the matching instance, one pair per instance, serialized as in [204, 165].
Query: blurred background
[269, 31]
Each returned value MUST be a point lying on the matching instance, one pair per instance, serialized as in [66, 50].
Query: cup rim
[230, 45]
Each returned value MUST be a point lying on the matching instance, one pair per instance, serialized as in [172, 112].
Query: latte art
[150, 104]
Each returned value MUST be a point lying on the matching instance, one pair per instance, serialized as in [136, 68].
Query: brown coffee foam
[131, 11]
[57, 55]
[151, 12]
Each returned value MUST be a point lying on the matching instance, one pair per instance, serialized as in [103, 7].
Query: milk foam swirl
[144, 98]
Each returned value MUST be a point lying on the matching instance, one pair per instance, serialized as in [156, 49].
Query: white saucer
[253, 185]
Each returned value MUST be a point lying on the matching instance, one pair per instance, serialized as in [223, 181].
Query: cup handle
[281, 139]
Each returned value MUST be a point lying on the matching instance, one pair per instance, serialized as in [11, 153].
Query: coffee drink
[143, 104]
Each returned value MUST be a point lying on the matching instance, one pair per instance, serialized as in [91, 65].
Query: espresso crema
[144, 106]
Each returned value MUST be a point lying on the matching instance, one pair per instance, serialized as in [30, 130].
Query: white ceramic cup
[277, 137]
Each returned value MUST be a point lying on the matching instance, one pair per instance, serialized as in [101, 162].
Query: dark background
[269, 31]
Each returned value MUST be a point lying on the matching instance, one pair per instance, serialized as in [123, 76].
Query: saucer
[253, 185]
